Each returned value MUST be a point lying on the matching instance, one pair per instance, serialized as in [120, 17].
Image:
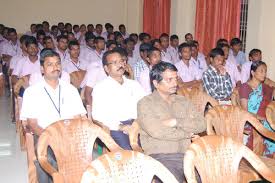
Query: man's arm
[88, 95]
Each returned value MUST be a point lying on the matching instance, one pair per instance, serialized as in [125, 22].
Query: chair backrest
[235, 97]
[126, 166]
[217, 159]
[229, 121]
[270, 114]
[198, 97]
[269, 82]
[72, 142]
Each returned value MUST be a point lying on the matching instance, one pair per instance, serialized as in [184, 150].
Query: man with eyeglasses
[115, 98]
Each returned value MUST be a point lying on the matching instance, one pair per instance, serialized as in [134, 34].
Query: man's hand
[222, 70]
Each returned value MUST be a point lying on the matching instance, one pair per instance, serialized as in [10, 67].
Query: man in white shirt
[74, 63]
[144, 79]
[109, 30]
[88, 48]
[173, 48]
[165, 54]
[32, 31]
[48, 42]
[129, 46]
[48, 101]
[142, 63]
[98, 30]
[198, 60]
[40, 35]
[188, 37]
[122, 30]
[62, 45]
[187, 71]
[115, 98]
[143, 38]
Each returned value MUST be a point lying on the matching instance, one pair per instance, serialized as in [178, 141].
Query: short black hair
[155, 41]
[145, 47]
[108, 25]
[221, 40]
[40, 33]
[75, 26]
[89, 36]
[106, 54]
[133, 35]
[235, 41]
[54, 27]
[12, 30]
[68, 24]
[254, 66]
[31, 40]
[151, 50]
[254, 51]
[122, 51]
[127, 40]
[73, 43]
[215, 52]
[173, 37]
[143, 35]
[121, 26]
[23, 39]
[183, 45]
[47, 52]
[158, 69]
[61, 37]
[192, 44]
[99, 38]
[110, 42]
[98, 25]
[188, 34]
[46, 38]
[222, 45]
[45, 22]
[163, 35]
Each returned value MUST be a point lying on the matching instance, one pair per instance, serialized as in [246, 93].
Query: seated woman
[254, 97]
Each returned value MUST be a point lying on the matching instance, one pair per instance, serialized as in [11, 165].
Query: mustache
[57, 70]
[120, 68]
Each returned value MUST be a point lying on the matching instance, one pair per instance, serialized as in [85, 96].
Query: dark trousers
[42, 176]
[121, 138]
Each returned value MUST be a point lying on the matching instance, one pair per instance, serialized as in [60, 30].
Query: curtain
[216, 19]
[156, 17]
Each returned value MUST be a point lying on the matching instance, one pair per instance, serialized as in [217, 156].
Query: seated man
[188, 72]
[48, 101]
[236, 51]
[255, 55]
[164, 43]
[216, 81]
[142, 63]
[167, 121]
[115, 98]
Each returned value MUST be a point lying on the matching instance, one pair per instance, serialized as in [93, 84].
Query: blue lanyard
[57, 109]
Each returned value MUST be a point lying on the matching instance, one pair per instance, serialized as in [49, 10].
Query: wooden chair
[230, 120]
[270, 114]
[126, 166]
[217, 159]
[198, 97]
[19, 124]
[2, 85]
[72, 142]
[235, 97]
[269, 82]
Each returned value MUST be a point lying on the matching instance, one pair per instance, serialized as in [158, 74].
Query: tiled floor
[13, 162]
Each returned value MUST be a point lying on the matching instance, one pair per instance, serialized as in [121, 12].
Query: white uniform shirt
[144, 81]
[245, 73]
[113, 102]
[166, 56]
[37, 77]
[95, 73]
[188, 73]
[25, 67]
[43, 106]
[174, 54]
[70, 66]
[234, 73]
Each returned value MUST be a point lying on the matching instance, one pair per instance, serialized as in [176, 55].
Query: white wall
[261, 30]
[182, 20]
[21, 13]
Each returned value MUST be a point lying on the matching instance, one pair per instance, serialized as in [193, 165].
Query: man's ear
[42, 69]
[155, 83]
[106, 69]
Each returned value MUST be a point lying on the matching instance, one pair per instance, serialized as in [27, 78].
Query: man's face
[146, 39]
[217, 61]
[130, 46]
[157, 45]
[189, 38]
[46, 27]
[110, 30]
[49, 44]
[226, 52]
[32, 50]
[122, 29]
[63, 44]
[111, 47]
[135, 38]
[256, 57]
[164, 42]
[55, 31]
[69, 28]
[23, 46]
[33, 28]
[186, 53]
[76, 29]
[100, 44]
[60, 27]
[98, 29]
[74, 51]
[154, 58]
[237, 47]
[52, 68]
[194, 52]
[40, 39]
[174, 43]
[90, 28]
[119, 39]
[13, 36]
[169, 83]
[115, 66]
[90, 43]
[71, 37]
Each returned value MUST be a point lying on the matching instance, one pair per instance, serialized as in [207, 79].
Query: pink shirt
[174, 53]
[188, 73]
[245, 73]
[11, 49]
[144, 80]
[95, 73]
[70, 66]
[14, 60]
[63, 56]
[166, 56]
[29, 67]
[233, 71]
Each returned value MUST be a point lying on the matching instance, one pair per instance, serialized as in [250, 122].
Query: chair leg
[31, 158]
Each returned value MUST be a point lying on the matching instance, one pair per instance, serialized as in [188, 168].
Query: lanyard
[57, 109]
[76, 65]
